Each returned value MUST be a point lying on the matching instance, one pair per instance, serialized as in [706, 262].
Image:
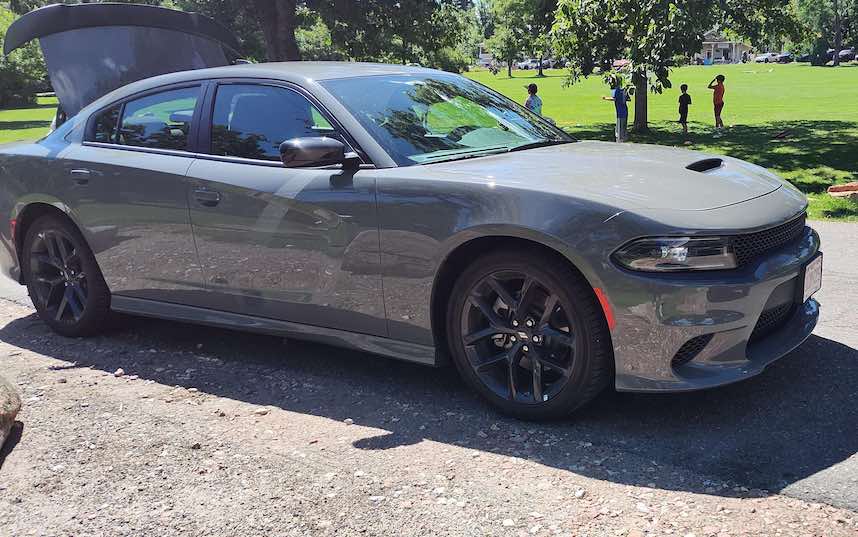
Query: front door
[298, 245]
[127, 185]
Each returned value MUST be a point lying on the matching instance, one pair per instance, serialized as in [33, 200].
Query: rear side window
[160, 121]
[251, 121]
[106, 122]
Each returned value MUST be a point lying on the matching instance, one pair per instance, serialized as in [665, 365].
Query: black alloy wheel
[518, 337]
[529, 335]
[58, 276]
[63, 278]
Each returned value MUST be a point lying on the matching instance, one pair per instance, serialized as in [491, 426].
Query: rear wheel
[527, 333]
[63, 278]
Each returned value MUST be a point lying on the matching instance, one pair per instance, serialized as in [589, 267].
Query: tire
[63, 278]
[551, 367]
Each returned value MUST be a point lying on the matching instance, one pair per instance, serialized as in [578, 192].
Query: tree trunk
[641, 102]
[277, 19]
[838, 33]
[540, 73]
[509, 68]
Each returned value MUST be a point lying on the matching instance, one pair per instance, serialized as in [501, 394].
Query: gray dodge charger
[402, 211]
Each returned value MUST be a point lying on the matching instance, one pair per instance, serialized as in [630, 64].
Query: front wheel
[527, 333]
[63, 278]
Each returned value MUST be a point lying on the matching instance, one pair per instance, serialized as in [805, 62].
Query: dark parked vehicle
[785, 57]
[403, 211]
[847, 54]
[804, 58]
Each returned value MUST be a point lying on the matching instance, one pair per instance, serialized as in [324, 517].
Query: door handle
[206, 197]
[81, 176]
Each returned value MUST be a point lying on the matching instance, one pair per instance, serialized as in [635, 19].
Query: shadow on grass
[22, 125]
[768, 433]
[812, 155]
[38, 106]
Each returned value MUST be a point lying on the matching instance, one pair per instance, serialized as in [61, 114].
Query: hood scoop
[705, 165]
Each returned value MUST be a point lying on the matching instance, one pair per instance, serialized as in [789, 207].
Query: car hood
[627, 176]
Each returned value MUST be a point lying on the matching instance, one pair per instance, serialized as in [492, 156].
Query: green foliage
[522, 25]
[651, 33]
[22, 73]
[314, 38]
[402, 31]
[442, 33]
[821, 18]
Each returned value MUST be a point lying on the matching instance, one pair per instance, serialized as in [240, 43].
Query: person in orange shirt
[717, 86]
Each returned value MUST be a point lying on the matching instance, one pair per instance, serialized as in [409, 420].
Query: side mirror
[322, 151]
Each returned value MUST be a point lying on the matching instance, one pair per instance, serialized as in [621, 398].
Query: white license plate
[812, 278]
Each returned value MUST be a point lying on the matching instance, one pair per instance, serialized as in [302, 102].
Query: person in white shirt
[534, 102]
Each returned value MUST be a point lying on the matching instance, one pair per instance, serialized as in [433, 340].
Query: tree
[833, 21]
[506, 45]
[23, 72]
[524, 25]
[400, 31]
[436, 31]
[651, 33]
[278, 20]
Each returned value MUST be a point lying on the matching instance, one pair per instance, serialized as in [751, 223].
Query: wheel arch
[29, 213]
[459, 256]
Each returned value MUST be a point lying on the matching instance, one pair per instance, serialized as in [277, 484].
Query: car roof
[299, 73]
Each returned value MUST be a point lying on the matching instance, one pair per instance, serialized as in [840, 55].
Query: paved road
[793, 430]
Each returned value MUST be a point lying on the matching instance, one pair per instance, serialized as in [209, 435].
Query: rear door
[127, 185]
[298, 245]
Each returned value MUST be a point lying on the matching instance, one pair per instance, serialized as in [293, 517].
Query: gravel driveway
[209, 432]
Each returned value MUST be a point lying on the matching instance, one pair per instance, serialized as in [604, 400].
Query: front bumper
[658, 314]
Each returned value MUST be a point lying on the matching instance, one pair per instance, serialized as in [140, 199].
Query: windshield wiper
[535, 145]
[464, 154]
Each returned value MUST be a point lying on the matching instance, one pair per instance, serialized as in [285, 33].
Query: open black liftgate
[92, 49]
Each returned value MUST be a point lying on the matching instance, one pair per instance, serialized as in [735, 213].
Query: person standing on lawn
[534, 102]
[620, 97]
[717, 86]
[684, 103]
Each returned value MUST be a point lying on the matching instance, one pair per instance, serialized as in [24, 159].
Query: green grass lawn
[27, 123]
[814, 108]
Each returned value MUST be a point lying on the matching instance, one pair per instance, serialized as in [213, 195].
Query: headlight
[671, 254]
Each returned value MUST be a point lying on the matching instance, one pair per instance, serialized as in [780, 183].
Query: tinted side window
[252, 121]
[161, 121]
[104, 130]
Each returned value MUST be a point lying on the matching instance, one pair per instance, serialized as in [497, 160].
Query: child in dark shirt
[684, 103]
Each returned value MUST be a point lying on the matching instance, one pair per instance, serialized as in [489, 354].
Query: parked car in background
[532, 63]
[785, 57]
[766, 57]
[847, 54]
[804, 58]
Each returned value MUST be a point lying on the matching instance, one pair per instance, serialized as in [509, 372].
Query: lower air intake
[690, 350]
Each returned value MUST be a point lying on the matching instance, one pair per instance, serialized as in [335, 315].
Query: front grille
[752, 245]
[771, 320]
[690, 350]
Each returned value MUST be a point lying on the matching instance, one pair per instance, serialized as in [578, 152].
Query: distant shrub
[22, 73]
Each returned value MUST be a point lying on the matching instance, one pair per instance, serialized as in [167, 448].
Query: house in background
[485, 57]
[720, 49]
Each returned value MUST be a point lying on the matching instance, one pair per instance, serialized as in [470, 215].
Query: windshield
[420, 119]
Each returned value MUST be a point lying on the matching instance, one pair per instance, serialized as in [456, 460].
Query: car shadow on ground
[795, 420]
